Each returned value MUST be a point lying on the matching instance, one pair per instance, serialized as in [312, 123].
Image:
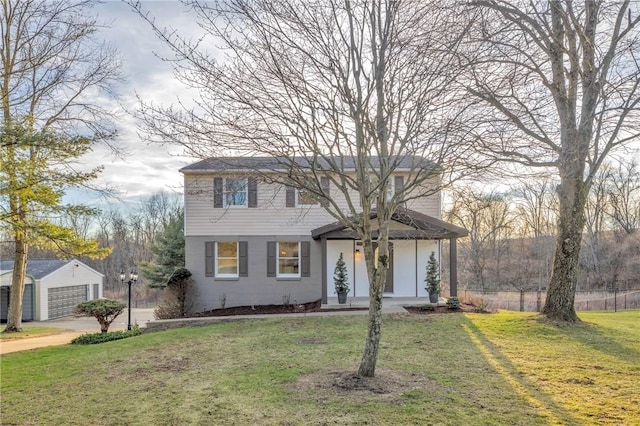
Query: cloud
[145, 168]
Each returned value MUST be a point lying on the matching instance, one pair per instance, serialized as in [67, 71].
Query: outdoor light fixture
[133, 278]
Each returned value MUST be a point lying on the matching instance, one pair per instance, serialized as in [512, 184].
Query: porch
[390, 305]
[412, 237]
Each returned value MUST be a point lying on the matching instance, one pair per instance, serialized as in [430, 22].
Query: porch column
[453, 267]
[323, 249]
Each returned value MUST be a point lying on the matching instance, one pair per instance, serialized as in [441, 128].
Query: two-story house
[250, 241]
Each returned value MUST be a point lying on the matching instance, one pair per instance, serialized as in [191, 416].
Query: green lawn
[455, 369]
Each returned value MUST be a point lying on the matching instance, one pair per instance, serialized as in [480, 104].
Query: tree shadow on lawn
[591, 335]
[543, 402]
[392, 385]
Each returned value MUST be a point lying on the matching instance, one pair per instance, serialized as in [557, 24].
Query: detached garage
[52, 287]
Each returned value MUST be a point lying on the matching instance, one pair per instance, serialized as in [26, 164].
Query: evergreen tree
[340, 276]
[433, 275]
[53, 70]
[35, 171]
[168, 253]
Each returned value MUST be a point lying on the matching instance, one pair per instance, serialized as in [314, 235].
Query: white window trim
[215, 270]
[391, 187]
[225, 192]
[278, 274]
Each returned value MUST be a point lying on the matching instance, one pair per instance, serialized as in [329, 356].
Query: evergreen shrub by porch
[453, 303]
[427, 308]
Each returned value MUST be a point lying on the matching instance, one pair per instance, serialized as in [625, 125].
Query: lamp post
[133, 277]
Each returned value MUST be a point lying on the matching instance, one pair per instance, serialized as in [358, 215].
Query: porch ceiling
[425, 227]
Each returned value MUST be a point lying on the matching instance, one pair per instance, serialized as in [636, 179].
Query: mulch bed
[263, 309]
[317, 307]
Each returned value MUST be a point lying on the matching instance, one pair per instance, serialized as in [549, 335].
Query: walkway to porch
[390, 305]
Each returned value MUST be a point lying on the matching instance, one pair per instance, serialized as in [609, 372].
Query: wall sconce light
[357, 251]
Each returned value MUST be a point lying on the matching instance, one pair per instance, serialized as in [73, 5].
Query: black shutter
[290, 196]
[243, 259]
[217, 193]
[209, 261]
[399, 183]
[325, 185]
[253, 192]
[305, 259]
[271, 258]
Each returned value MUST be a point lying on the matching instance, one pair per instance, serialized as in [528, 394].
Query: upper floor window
[302, 197]
[306, 198]
[394, 184]
[235, 192]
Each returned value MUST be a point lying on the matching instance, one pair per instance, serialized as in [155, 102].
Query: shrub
[178, 296]
[427, 308]
[104, 310]
[94, 338]
[453, 303]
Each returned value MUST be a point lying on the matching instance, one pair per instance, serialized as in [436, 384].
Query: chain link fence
[532, 301]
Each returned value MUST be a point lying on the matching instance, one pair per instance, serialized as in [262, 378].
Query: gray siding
[27, 303]
[256, 288]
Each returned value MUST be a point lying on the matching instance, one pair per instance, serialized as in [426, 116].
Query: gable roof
[425, 227]
[36, 268]
[280, 164]
[40, 268]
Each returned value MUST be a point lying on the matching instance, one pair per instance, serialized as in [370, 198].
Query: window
[305, 198]
[288, 259]
[235, 191]
[394, 185]
[226, 259]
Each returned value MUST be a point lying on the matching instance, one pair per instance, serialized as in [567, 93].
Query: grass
[29, 331]
[508, 368]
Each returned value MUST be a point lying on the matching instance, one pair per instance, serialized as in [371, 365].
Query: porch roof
[425, 228]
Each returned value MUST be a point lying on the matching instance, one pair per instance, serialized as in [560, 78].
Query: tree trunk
[377, 266]
[374, 325]
[561, 293]
[14, 316]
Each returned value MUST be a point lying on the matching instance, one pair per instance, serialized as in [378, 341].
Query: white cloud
[147, 168]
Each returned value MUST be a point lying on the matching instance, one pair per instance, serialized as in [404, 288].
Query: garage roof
[36, 268]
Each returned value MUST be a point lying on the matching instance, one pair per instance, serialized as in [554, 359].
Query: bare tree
[624, 196]
[557, 86]
[489, 219]
[325, 88]
[52, 67]
[596, 216]
[536, 203]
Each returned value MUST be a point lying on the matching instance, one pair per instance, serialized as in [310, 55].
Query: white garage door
[62, 300]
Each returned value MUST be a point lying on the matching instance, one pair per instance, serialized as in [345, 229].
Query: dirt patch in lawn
[271, 309]
[387, 385]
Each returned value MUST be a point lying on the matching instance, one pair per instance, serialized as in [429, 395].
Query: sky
[147, 168]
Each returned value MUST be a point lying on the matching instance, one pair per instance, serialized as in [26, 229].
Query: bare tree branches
[557, 86]
[350, 91]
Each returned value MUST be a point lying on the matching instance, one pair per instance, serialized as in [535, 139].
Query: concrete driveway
[73, 327]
